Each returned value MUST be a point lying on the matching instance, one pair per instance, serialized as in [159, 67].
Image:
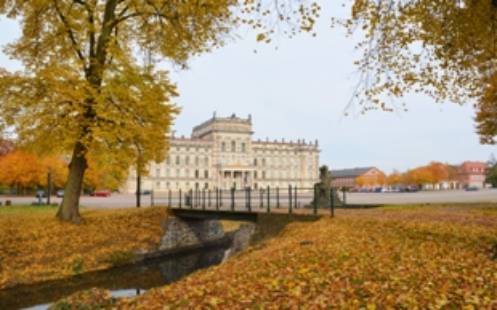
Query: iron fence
[252, 200]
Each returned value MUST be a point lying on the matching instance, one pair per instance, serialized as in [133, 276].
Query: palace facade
[221, 154]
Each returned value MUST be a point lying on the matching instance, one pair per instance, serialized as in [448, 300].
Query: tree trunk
[69, 209]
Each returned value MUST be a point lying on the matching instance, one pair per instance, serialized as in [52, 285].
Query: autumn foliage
[391, 258]
[22, 170]
[36, 247]
[373, 180]
[443, 49]
[433, 173]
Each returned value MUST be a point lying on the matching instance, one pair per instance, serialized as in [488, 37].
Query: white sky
[300, 90]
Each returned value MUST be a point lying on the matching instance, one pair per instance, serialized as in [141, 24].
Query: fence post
[290, 199]
[277, 197]
[232, 199]
[221, 197]
[169, 198]
[152, 198]
[180, 198]
[344, 198]
[249, 199]
[315, 201]
[203, 199]
[246, 198]
[268, 200]
[217, 198]
[332, 203]
[209, 198]
[191, 198]
[261, 198]
[295, 197]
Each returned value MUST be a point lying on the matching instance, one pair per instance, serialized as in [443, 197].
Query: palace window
[255, 161]
[233, 146]
[196, 174]
[177, 160]
[243, 147]
[223, 146]
[187, 160]
[206, 174]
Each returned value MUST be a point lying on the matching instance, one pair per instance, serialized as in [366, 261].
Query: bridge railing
[269, 199]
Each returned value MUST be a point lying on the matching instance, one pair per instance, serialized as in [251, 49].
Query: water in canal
[125, 281]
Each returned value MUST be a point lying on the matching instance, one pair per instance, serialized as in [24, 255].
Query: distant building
[370, 177]
[221, 154]
[472, 174]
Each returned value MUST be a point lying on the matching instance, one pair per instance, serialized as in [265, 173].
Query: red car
[102, 193]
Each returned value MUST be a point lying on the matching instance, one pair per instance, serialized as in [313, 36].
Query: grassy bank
[409, 257]
[35, 246]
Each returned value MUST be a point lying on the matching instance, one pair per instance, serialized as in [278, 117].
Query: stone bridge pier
[185, 233]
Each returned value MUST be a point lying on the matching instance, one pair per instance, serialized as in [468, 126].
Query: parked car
[145, 192]
[59, 193]
[102, 193]
[472, 188]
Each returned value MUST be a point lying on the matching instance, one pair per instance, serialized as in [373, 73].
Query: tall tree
[438, 171]
[82, 90]
[394, 179]
[491, 176]
[445, 49]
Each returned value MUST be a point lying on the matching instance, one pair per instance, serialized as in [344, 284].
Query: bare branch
[69, 31]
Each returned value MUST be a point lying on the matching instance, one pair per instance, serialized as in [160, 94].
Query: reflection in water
[125, 281]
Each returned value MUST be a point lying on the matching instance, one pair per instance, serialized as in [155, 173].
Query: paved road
[114, 201]
[487, 195]
[128, 200]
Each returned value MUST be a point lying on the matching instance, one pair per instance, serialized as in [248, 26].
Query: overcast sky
[300, 90]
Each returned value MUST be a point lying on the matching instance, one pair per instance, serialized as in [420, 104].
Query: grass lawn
[408, 258]
[35, 246]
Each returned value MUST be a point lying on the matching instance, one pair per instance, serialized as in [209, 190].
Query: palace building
[221, 154]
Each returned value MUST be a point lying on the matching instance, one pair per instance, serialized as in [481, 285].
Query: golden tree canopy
[82, 79]
[446, 49]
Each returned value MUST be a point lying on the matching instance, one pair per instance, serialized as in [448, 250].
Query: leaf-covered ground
[407, 258]
[35, 246]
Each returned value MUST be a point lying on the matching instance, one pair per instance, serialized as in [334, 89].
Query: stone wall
[182, 233]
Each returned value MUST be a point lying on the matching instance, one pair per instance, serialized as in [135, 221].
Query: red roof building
[472, 174]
